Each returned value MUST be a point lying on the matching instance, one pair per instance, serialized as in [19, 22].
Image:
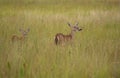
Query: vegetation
[94, 53]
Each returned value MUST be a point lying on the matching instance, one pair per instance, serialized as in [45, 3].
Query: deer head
[74, 27]
[24, 32]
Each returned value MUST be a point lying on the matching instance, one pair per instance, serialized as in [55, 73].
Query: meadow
[94, 52]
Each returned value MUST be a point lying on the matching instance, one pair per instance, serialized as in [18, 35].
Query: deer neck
[72, 34]
[24, 35]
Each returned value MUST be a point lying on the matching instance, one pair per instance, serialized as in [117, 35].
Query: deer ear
[20, 30]
[28, 29]
[69, 24]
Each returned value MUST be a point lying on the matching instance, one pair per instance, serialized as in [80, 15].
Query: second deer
[61, 38]
[24, 34]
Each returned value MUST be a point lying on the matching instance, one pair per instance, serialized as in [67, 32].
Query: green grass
[94, 53]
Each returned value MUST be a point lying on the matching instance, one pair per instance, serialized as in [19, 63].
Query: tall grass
[94, 53]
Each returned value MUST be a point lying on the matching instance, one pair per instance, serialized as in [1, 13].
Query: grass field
[94, 53]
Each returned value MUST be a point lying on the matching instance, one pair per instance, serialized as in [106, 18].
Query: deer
[22, 37]
[60, 38]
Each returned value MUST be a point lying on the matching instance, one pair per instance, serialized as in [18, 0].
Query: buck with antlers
[61, 38]
[24, 34]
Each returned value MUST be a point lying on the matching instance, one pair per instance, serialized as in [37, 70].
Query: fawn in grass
[61, 38]
[22, 37]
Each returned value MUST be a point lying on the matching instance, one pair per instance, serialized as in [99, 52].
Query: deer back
[61, 38]
[16, 38]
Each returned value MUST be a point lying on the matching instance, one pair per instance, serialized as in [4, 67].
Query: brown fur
[16, 38]
[24, 33]
[61, 38]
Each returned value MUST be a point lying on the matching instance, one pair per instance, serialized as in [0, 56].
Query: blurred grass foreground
[94, 52]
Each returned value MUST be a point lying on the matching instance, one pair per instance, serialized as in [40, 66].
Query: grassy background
[95, 52]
